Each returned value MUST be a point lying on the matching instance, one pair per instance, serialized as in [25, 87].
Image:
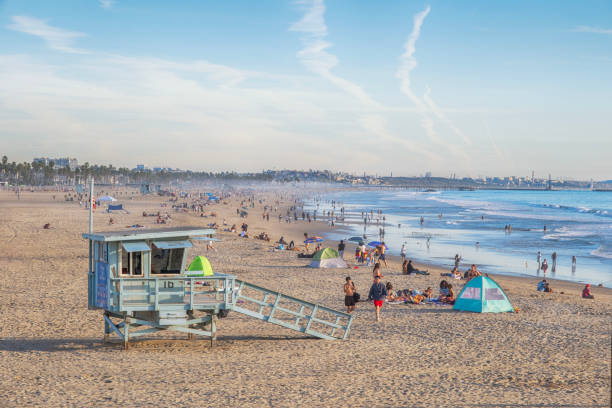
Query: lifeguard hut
[139, 279]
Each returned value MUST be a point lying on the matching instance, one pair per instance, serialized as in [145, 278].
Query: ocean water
[472, 224]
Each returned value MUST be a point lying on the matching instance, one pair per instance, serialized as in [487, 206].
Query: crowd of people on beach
[364, 255]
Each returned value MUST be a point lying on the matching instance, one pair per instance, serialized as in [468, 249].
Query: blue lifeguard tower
[139, 279]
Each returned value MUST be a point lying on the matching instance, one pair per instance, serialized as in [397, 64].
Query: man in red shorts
[378, 293]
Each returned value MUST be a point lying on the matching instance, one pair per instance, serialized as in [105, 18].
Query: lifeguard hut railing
[207, 293]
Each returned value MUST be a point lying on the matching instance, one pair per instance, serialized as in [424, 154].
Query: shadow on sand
[23, 344]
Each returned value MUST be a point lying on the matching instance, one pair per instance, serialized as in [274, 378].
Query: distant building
[428, 174]
[58, 163]
[140, 167]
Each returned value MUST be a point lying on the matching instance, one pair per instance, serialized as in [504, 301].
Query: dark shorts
[382, 257]
[349, 301]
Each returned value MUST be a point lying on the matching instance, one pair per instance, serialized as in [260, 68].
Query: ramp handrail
[300, 314]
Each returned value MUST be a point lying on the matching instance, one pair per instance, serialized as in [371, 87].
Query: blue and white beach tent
[483, 295]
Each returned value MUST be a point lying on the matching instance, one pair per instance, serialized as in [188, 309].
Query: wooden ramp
[295, 314]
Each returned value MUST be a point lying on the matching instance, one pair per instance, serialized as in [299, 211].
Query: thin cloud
[407, 64]
[440, 115]
[315, 57]
[56, 38]
[595, 30]
[106, 4]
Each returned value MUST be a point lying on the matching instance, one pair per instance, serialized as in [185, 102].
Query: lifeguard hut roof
[128, 235]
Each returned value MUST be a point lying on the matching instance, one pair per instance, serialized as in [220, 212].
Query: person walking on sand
[378, 293]
[349, 295]
[382, 250]
[341, 247]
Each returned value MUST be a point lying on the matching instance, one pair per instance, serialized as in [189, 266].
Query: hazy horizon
[478, 88]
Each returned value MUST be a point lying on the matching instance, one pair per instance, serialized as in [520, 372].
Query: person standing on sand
[349, 295]
[378, 293]
[403, 252]
[341, 247]
[382, 250]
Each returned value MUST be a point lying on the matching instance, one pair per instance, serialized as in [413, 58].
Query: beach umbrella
[313, 239]
[376, 244]
[106, 198]
[355, 239]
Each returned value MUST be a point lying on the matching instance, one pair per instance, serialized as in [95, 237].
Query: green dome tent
[327, 258]
[483, 295]
[200, 266]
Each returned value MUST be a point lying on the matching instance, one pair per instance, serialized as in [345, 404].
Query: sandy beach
[554, 352]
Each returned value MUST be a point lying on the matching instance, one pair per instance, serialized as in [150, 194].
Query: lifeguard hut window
[166, 261]
[132, 258]
[131, 263]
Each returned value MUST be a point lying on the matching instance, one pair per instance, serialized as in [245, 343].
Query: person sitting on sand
[428, 292]
[547, 288]
[443, 288]
[586, 292]
[405, 267]
[291, 246]
[411, 269]
[282, 241]
[542, 285]
[450, 297]
[47, 226]
[473, 272]
[390, 296]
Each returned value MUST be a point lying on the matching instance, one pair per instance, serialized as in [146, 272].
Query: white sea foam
[603, 251]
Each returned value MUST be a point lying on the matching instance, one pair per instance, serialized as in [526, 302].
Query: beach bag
[356, 297]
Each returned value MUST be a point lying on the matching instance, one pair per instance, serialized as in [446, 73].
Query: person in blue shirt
[378, 293]
[542, 285]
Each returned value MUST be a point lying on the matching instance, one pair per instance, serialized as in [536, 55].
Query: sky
[469, 88]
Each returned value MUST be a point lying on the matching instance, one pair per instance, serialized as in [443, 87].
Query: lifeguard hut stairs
[292, 313]
[242, 297]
